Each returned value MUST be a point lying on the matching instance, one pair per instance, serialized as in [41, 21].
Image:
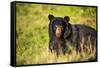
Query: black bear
[62, 32]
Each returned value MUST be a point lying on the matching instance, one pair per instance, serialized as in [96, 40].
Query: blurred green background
[32, 29]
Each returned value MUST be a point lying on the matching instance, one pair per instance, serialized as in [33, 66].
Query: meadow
[32, 32]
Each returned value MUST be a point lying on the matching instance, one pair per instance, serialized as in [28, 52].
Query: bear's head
[58, 24]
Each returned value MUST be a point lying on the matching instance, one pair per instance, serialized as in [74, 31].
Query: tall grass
[32, 33]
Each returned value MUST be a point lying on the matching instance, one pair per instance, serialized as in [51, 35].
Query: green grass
[32, 32]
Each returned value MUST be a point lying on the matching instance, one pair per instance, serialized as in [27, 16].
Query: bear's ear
[66, 18]
[51, 17]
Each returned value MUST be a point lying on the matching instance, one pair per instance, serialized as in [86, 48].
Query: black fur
[75, 33]
[71, 34]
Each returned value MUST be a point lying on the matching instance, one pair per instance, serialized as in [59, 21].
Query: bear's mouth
[58, 35]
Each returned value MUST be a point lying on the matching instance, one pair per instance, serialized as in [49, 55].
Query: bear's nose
[58, 30]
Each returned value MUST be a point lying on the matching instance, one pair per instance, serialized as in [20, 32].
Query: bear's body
[79, 32]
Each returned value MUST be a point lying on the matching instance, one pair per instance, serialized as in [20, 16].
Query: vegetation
[32, 32]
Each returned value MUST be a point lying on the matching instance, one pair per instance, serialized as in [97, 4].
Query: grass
[32, 33]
